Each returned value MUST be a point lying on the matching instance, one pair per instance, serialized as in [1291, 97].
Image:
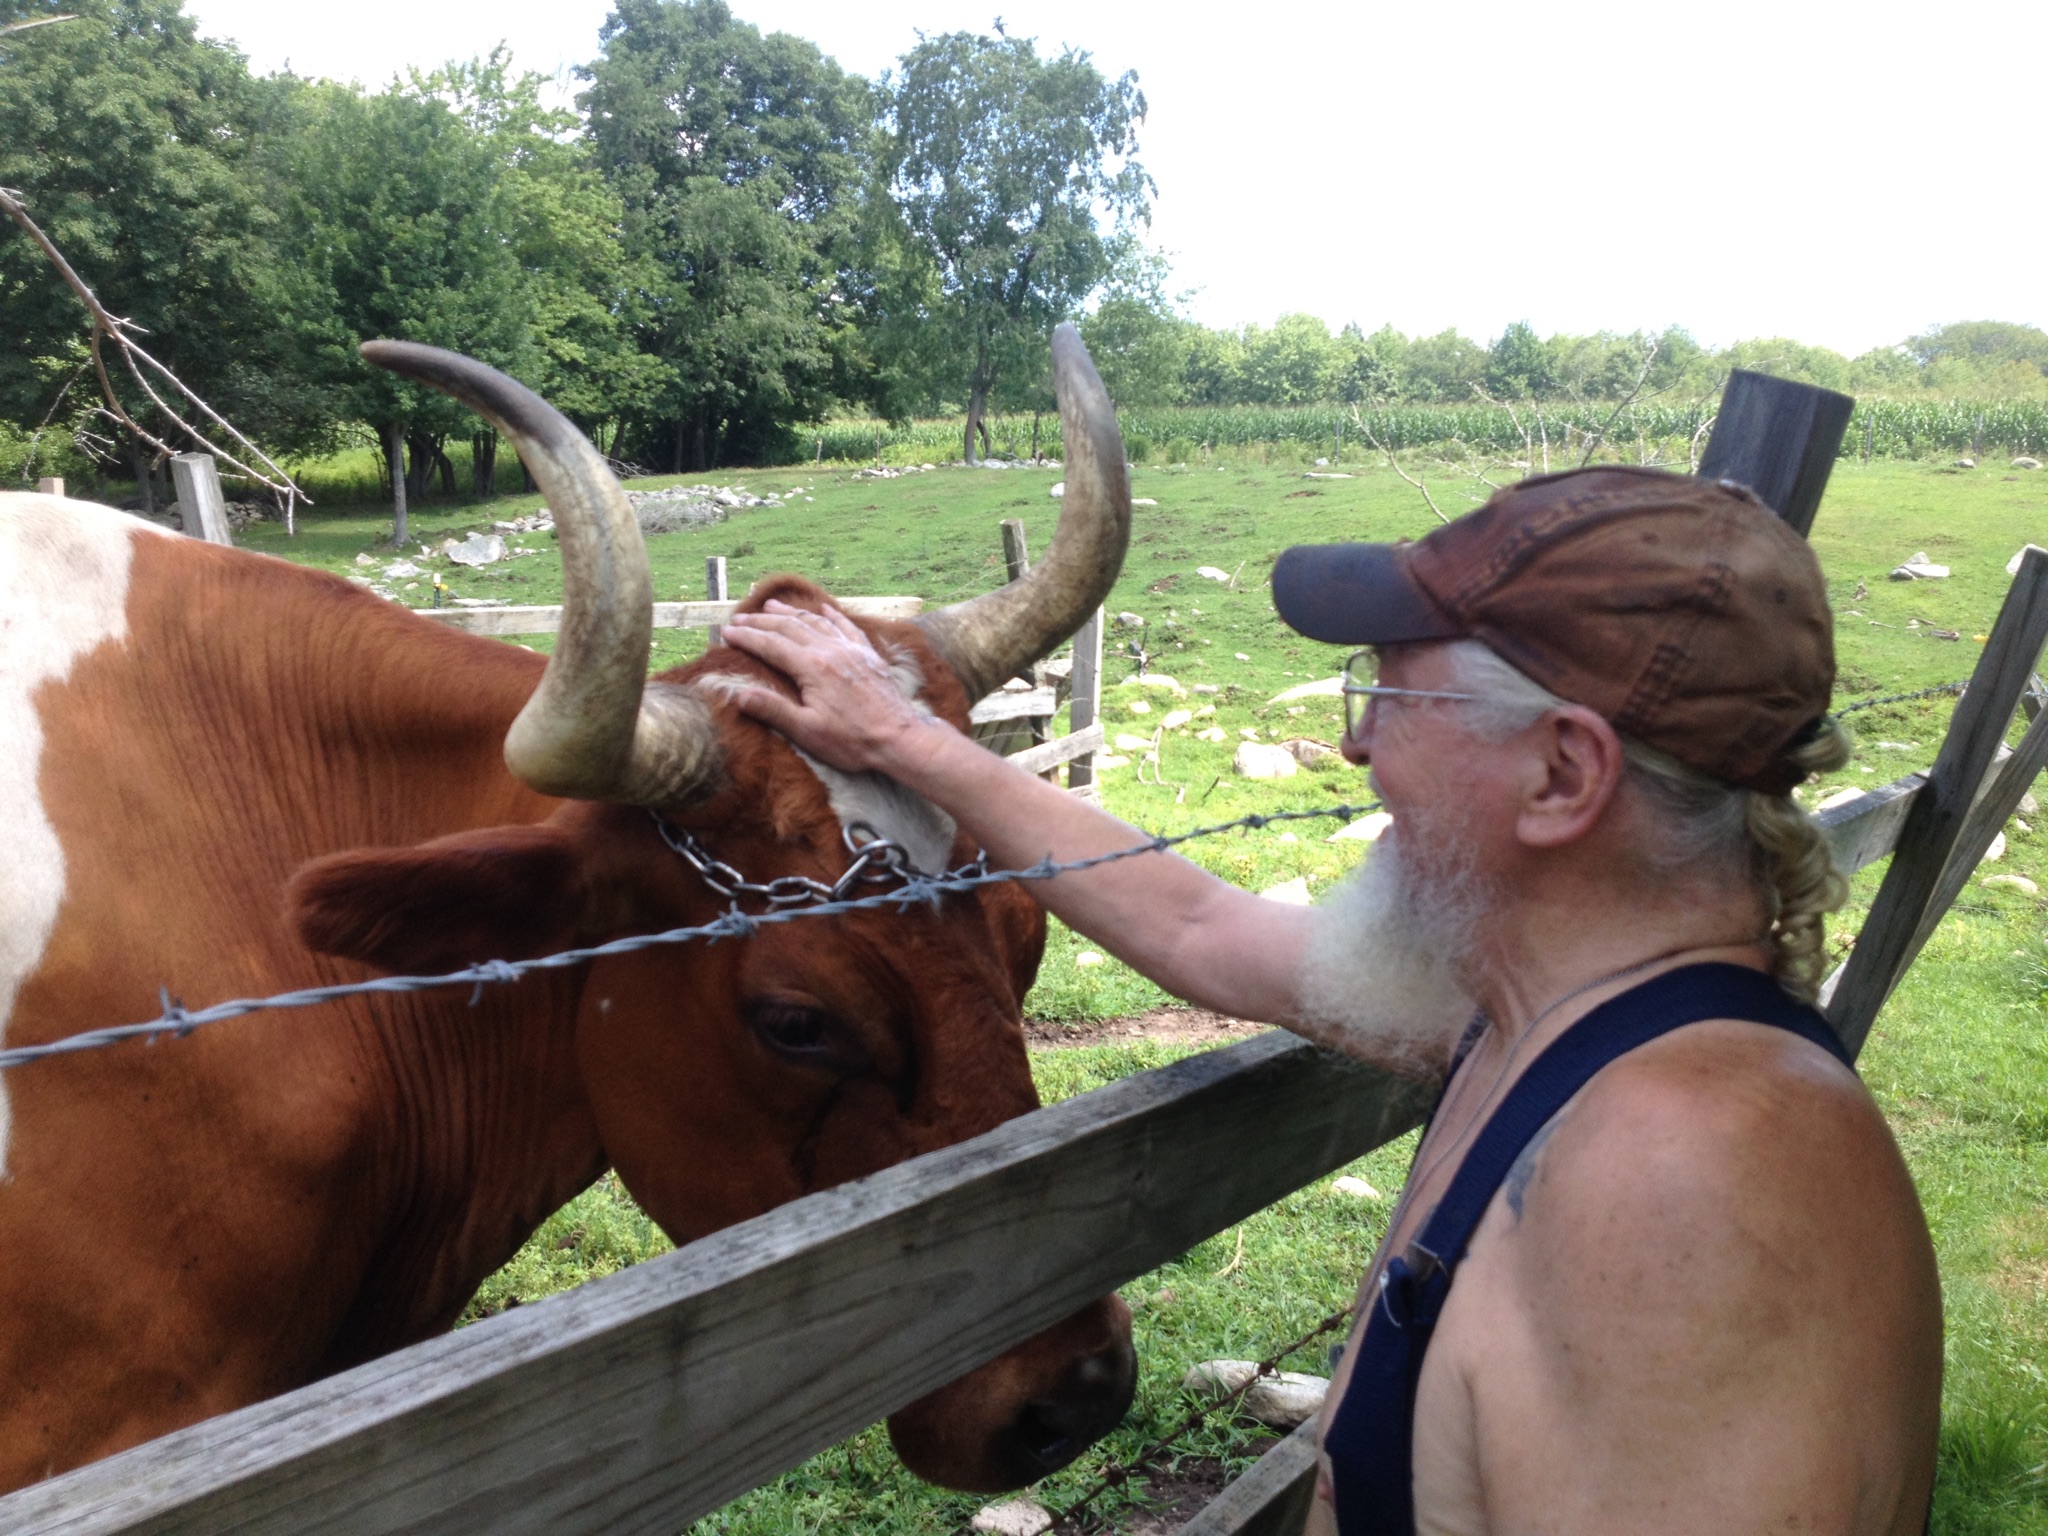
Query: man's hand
[851, 711]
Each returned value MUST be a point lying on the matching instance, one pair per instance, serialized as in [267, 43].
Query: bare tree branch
[40, 21]
[109, 326]
[1358, 418]
[1629, 399]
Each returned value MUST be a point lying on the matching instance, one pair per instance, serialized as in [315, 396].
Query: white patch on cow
[63, 593]
[872, 800]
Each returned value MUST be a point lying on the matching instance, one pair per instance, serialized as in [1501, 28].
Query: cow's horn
[595, 729]
[989, 639]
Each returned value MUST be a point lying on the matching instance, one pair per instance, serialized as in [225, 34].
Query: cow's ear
[504, 893]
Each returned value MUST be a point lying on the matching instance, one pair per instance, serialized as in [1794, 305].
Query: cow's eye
[799, 1032]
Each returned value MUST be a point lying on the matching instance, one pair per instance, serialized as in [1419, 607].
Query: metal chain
[1959, 686]
[877, 860]
[1116, 1474]
[915, 889]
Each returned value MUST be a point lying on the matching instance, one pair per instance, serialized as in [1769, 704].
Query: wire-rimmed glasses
[1361, 688]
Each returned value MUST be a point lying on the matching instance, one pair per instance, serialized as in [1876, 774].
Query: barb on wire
[916, 889]
[107, 326]
[1116, 1474]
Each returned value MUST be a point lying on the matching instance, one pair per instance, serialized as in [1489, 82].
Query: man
[1694, 1291]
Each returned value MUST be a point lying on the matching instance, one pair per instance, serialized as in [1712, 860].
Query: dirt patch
[1175, 1026]
[1173, 1497]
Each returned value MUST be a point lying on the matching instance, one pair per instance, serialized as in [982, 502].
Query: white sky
[1844, 174]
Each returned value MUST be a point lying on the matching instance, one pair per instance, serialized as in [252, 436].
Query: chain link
[876, 860]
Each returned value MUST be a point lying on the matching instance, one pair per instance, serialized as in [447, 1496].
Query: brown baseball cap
[1683, 610]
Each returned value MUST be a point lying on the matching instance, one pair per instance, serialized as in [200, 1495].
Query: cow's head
[726, 1079]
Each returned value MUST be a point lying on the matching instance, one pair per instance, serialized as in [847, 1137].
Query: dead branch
[1358, 419]
[1692, 457]
[40, 21]
[107, 326]
[1642, 375]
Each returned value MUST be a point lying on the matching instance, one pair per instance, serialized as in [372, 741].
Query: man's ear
[1580, 768]
[503, 893]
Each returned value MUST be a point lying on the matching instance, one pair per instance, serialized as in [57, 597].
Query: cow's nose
[1090, 1401]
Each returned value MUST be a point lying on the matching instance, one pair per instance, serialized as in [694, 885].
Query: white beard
[1388, 962]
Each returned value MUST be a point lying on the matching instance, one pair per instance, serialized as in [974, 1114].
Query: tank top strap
[1370, 1440]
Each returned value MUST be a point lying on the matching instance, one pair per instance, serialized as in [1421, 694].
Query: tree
[1140, 346]
[998, 162]
[1519, 363]
[738, 159]
[1443, 367]
[131, 140]
[1297, 362]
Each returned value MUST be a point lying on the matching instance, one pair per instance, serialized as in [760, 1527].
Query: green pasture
[1959, 1060]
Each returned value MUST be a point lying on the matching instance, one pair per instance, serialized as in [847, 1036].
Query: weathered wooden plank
[1064, 750]
[546, 618]
[1015, 704]
[1933, 834]
[1271, 1498]
[1086, 694]
[1864, 830]
[644, 1400]
[1779, 439]
[200, 502]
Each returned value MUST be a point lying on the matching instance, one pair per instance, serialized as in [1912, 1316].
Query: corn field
[1654, 430]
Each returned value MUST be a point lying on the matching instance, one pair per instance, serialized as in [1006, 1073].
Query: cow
[225, 775]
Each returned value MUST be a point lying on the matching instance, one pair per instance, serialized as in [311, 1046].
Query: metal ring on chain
[876, 860]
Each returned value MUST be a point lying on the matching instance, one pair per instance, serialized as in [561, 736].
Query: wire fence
[916, 889]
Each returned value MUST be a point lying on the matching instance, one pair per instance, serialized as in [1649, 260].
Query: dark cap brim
[1355, 594]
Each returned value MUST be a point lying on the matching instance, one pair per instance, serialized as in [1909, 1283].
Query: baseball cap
[1682, 610]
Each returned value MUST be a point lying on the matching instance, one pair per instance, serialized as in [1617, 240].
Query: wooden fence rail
[644, 1400]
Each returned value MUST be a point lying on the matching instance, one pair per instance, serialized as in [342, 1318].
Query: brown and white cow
[223, 775]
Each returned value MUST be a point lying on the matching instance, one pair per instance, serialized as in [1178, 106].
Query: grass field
[1959, 1060]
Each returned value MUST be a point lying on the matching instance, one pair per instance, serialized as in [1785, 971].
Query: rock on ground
[1013, 1517]
[1290, 893]
[477, 549]
[2012, 566]
[1279, 1401]
[1366, 829]
[1256, 760]
[1919, 568]
[2018, 883]
[1308, 753]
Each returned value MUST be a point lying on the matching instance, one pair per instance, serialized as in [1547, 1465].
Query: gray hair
[1704, 828]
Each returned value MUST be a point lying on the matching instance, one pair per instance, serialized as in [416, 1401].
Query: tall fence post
[51, 485]
[1087, 697]
[200, 502]
[1015, 555]
[714, 591]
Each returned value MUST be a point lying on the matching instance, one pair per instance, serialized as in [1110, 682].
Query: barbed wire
[1958, 686]
[917, 889]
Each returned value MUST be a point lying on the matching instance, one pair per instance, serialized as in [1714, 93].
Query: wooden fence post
[51, 485]
[1086, 702]
[1955, 817]
[714, 590]
[200, 502]
[1779, 439]
[1015, 555]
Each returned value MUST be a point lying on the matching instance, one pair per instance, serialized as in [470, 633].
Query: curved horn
[595, 729]
[991, 638]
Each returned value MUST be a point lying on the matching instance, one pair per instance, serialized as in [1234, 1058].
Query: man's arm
[1707, 1303]
[1199, 937]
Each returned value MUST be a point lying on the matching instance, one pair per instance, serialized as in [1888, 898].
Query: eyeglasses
[1360, 690]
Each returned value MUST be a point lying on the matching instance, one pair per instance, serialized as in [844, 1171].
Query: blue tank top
[1370, 1441]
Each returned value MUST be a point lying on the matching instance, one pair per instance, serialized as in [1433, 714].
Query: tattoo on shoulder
[1516, 1185]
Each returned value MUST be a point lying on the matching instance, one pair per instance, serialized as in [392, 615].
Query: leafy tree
[1519, 363]
[1372, 365]
[1140, 346]
[738, 159]
[1297, 362]
[1984, 342]
[131, 139]
[1443, 367]
[998, 162]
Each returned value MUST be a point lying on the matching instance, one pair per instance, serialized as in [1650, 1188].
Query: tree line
[728, 239]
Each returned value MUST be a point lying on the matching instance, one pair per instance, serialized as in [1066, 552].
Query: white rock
[2020, 826]
[1240, 655]
[1125, 742]
[1312, 475]
[1176, 718]
[1159, 680]
[1143, 501]
[1013, 1517]
[1309, 753]
[1966, 463]
[1327, 687]
[1214, 733]
[1920, 568]
[1206, 688]
[1212, 573]
[1248, 732]
[2028, 805]
[1351, 1185]
[1290, 893]
[2018, 883]
[1288, 837]
[366, 560]
[1996, 851]
[1087, 957]
[1129, 620]
[1366, 829]
[1287, 1400]
[1215, 1379]
[1257, 761]
[2023, 462]
[1205, 711]
[1059, 489]
[477, 549]
[1139, 707]
[398, 570]
[1322, 463]
[1896, 746]
[1111, 760]
[1840, 796]
[2012, 566]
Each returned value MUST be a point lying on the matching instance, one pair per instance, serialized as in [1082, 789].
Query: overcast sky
[1844, 174]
